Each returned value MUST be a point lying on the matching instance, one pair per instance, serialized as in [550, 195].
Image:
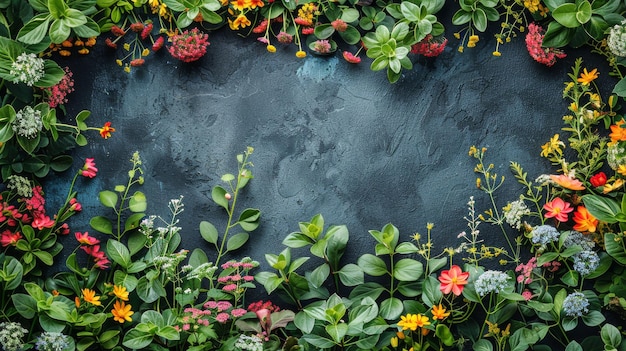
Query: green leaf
[28, 144]
[318, 341]
[556, 36]
[583, 12]
[349, 15]
[351, 35]
[236, 241]
[615, 247]
[372, 265]
[137, 340]
[319, 275]
[168, 332]
[249, 219]
[483, 345]
[150, 291]
[324, 31]
[602, 208]
[593, 318]
[565, 15]
[119, 253]
[573, 346]
[444, 334]
[35, 30]
[59, 31]
[208, 232]
[620, 88]
[108, 198]
[479, 19]
[391, 308]
[25, 305]
[45, 257]
[410, 11]
[101, 224]
[408, 269]
[218, 194]
[12, 273]
[611, 336]
[137, 202]
[351, 275]
[296, 239]
[337, 332]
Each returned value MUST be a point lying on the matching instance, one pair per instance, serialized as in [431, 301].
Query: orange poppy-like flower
[585, 221]
[587, 77]
[453, 280]
[567, 182]
[90, 296]
[439, 312]
[120, 292]
[618, 132]
[558, 209]
[121, 312]
[106, 130]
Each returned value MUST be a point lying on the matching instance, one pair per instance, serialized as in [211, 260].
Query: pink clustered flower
[284, 38]
[236, 275]
[526, 271]
[212, 311]
[534, 42]
[263, 305]
[429, 46]
[57, 94]
[552, 266]
[339, 25]
[89, 169]
[189, 46]
[322, 46]
[527, 295]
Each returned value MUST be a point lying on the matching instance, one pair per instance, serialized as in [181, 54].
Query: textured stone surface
[329, 137]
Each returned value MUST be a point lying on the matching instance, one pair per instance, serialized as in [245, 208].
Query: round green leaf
[372, 265]
[108, 198]
[236, 241]
[208, 232]
[138, 202]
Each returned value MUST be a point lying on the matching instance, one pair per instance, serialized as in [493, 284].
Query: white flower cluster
[617, 39]
[27, 68]
[514, 212]
[491, 281]
[544, 234]
[51, 341]
[21, 185]
[587, 260]
[252, 343]
[11, 334]
[28, 122]
[575, 304]
[615, 155]
[203, 271]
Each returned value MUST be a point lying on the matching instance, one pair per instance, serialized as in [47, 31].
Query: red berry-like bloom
[117, 31]
[429, 46]
[137, 62]
[110, 43]
[158, 44]
[147, 29]
[261, 28]
[534, 42]
[189, 46]
[348, 56]
[57, 94]
[137, 27]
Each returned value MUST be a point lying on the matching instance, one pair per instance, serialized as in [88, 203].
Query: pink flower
[223, 305]
[222, 317]
[453, 280]
[308, 30]
[238, 312]
[558, 209]
[230, 287]
[158, 44]
[57, 94]
[189, 46]
[534, 44]
[85, 239]
[339, 25]
[284, 38]
[348, 56]
[527, 295]
[147, 29]
[89, 169]
[9, 238]
[75, 205]
[40, 222]
[429, 46]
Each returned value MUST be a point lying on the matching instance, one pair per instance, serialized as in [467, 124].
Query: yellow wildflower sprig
[514, 22]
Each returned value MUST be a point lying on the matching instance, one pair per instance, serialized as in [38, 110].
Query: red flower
[40, 222]
[308, 30]
[75, 205]
[534, 44]
[261, 28]
[598, 179]
[106, 130]
[189, 46]
[146, 30]
[110, 43]
[339, 25]
[117, 31]
[453, 280]
[85, 239]
[158, 44]
[348, 56]
[137, 27]
[135, 63]
[558, 209]
[8, 238]
[429, 46]
[89, 169]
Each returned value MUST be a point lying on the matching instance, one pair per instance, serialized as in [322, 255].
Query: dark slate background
[329, 137]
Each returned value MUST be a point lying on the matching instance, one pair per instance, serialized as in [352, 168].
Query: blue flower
[575, 304]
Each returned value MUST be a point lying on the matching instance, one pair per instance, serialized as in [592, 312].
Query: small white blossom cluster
[575, 304]
[203, 271]
[491, 281]
[617, 39]
[514, 212]
[544, 234]
[11, 334]
[615, 155]
[27, 122]
[27, 68]
[169, 263]
[587, 260]
[51, 341]
[21, 185]
[252, 343]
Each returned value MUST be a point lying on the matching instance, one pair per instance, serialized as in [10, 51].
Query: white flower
[491, 281]
[28, 122]
[27, 68]
[616, 40]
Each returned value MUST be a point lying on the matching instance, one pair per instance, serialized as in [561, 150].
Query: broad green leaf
[101, 224]
[337, 332]
[208, 232]
[602, 208]
[137, 340]
[236, 241]
[324, 31]
[351, 275]
[611, 336]
[59, 31]
[319, 275]
[408, 269]
[218, 194]
[108, 198]
[583, 12]
[249, 219]
[391, 308]
[372, 265]
[35, 30]
[137, 202]
[565, 15]
[25, 305]
[119, 253]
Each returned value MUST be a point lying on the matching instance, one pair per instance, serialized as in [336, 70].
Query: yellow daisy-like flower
[120, 292]
[552, 146]
[611, 187]
[587, 77]
[90, 297]
[439, 312]
[122, 312]
[413, 321]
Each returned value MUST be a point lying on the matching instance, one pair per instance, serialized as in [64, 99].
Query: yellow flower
[119, 62]
[271, 48]
[439, 312]
[90, 296]
[121, 312]
[474, 38]
[497, 53]
[413, 321]
[120, 292]
[621, 169]
[610, 187]
[126, 46]
[127, 69]
[394, 342]
[300, 54]
[588, 77]
[460, 49]
[552, 146]
[145, 52]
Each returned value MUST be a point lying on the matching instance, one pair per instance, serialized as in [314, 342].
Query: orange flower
[439, 312]
[413, 321]
[106, 130]
[558, 209]
[453, 280]
[121, 312]
[585, 222]
[618, 132]
[90, 296]
[567, 182]
[120, 292]
[588, 77]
